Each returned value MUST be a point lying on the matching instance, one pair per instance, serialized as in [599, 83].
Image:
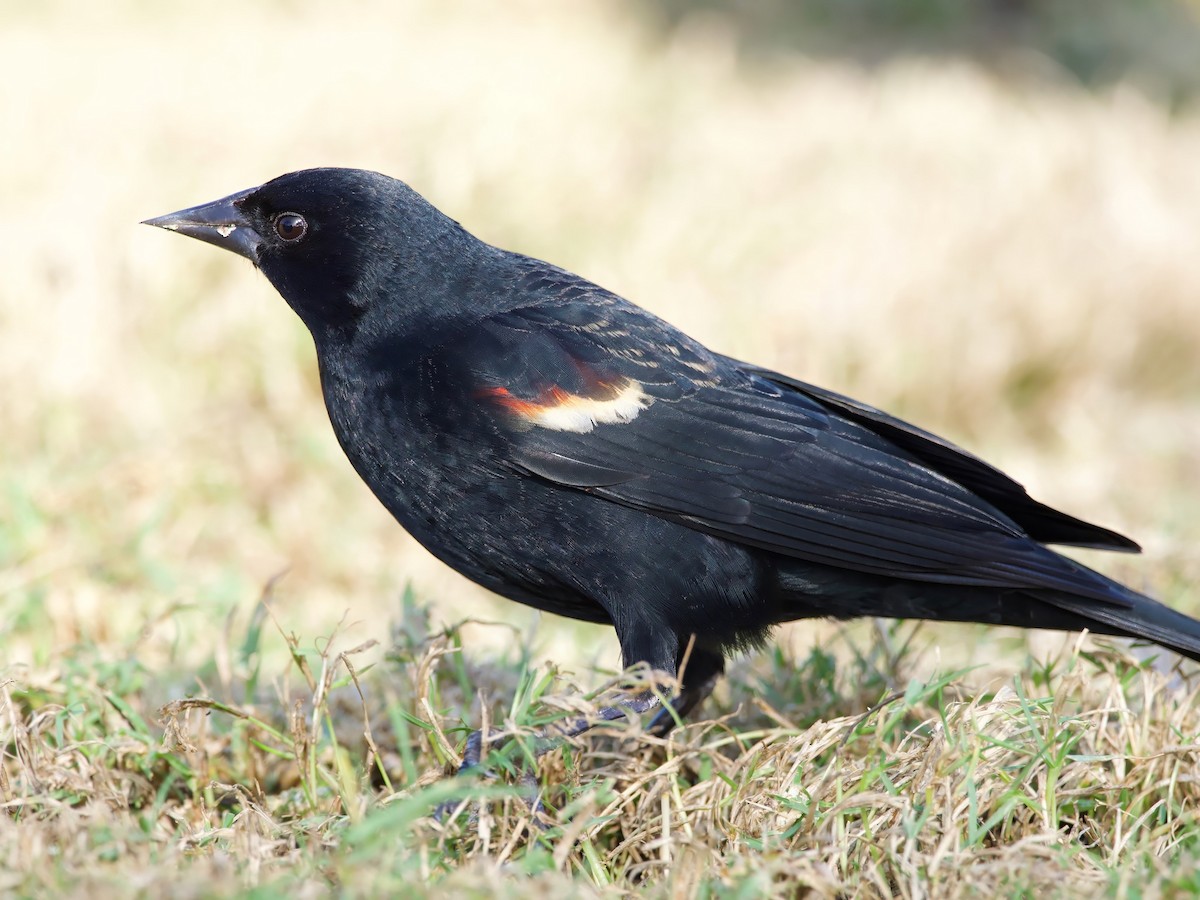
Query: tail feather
[1145, 618]
[810, 590]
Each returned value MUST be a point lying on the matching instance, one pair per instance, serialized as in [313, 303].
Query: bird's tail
[817, 591]
[1143, 618]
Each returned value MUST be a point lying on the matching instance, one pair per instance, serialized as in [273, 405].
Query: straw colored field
[1010, 263]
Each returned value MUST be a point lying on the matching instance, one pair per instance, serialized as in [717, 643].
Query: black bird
[568, 450]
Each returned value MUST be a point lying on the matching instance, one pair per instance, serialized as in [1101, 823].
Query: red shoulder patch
[560, 410]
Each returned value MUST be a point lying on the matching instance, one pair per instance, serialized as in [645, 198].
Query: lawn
[225, 670]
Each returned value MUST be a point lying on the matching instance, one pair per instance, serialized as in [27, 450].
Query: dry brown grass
[1013, 265]
[1072, 778]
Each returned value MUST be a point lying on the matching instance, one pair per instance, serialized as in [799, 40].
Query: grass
[191, 577]
[1076, 774]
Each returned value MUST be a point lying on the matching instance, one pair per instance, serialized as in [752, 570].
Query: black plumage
[569, 450]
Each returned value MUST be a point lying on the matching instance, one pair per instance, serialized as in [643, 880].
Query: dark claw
[472, 755]
[472, 752]
[531, 793]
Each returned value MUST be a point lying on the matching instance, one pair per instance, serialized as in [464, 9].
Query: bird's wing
[1042, 523]
[597, 395]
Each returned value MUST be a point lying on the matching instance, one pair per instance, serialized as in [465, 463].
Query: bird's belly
[488, 524]
[551, 547]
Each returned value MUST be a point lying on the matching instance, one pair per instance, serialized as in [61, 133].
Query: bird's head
[334, 242]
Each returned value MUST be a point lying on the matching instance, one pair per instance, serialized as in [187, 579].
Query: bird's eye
[290, 227]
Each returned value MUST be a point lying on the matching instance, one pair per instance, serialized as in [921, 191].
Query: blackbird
[569, 450]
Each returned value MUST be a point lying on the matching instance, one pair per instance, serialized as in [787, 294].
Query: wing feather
[746, 455]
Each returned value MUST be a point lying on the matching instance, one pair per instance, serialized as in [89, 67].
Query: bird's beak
[221, 222]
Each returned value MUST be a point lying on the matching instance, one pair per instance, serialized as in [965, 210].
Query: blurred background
[983, 216]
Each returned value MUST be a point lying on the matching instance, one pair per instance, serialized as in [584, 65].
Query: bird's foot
[527, 778]
[545, 740]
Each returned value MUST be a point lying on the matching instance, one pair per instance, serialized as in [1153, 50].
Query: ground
[191, 577]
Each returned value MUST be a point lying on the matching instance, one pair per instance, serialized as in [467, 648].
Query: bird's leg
[657, 647]
[546, 740]
[637, 704]
[641, 642]
[699, 671]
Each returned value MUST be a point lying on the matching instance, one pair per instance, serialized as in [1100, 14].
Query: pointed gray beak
[221, 223]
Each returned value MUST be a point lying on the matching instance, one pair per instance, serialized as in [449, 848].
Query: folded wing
[604, 398]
